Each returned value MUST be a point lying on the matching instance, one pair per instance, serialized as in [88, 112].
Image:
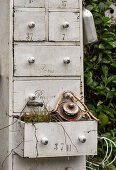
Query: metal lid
[70, 108]
[69, 111]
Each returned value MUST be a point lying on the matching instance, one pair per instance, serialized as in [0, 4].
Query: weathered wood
[63, 3]
[4, 82]
[29, 3]
[56, 30]
[22, 19]
[26, 26]
[63, 139]
[60, 163]
[47, 91]
[51, 3]
[49, 60]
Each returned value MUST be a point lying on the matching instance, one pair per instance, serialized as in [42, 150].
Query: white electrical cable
[106, 155]
[111, 142]
[92, 163]
[89, 167]
[109, 153]
[102, 163]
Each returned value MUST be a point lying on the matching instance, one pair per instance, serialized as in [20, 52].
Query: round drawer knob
[31, 25]
[68, 168]
[44, 141]
[66, 60]
[32, 97]
[31, 60]
[68, 95]
[65, 24]
[82, 139]
[70, 108]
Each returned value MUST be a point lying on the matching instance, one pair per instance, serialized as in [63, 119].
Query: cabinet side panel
[4, 82]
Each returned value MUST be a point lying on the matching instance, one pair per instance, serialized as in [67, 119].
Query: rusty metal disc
[69, 111]
[70, 108]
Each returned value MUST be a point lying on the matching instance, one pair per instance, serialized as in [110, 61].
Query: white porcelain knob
[32, 97]
[65, 24]
[31, 60]
[31, 24]
[44, 141]
[68, 95]
[66, 60]
[82, 139]
[68, 168]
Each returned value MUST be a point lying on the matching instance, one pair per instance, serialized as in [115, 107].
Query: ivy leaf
[113, 44]
[111, 78]
[89, 78]
[101, 46]
[110, 95]
[103, 119]
[108, 34]
[108, 24]
[108, 4]
[98, 21]
[114, 64]
[93, 59]
[101, 6]
[89, 75]
[107, 52]
[105, 70]
[89, 7]
[106, 19]
[105, 61]
[99, 103]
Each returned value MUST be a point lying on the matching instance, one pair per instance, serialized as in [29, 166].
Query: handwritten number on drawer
[64, 3]
[30, 1]
[68, 148]
[29, 36]
[62, 146]
[56, 146]
[63, 36]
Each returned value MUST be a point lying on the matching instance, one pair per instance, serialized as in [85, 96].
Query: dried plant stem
[11, 152]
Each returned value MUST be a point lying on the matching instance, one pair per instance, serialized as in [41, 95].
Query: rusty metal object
[70, 108]
[34, 104]
[69, 111]
[84, 111]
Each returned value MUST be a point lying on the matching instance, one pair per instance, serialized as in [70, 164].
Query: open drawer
[64, 139]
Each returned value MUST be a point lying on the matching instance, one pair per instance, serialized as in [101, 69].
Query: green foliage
[100, 69]
[36, 117]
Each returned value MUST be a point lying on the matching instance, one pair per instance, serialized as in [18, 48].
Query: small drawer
[35, 60]
[46, 91]
[63, 4]
[29, 3]
[19, 163]
[29, 25]
[64, 26]
[61, 139]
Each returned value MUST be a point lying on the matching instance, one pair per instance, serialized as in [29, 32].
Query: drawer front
[29, 3]
[46, 91]
[61, 140]
[63, 4]
[30, 60]
[20, 163]
[29, 25]
[64, 26]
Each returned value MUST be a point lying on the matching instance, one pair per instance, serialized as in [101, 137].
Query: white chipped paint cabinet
[41, 55]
